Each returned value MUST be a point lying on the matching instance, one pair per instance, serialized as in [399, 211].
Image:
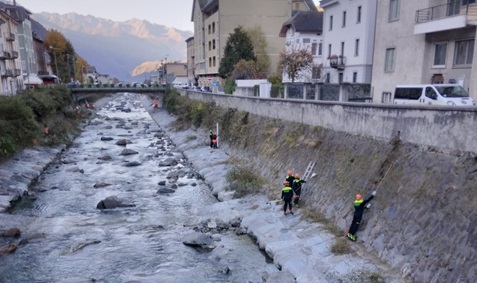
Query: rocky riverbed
[300, 250]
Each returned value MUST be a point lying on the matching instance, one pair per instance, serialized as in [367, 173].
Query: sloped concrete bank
[422, 221]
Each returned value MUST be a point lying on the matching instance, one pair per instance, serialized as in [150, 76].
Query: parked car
[140, 85]
[205, 89]
[433, 94]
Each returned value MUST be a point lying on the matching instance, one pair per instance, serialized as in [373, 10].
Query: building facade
[423, 42]
[304, 31]
[190, 60]
[215, 20]
[10, 66]
[348, 29]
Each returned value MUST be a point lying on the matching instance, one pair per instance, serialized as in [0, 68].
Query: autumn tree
[62, 54]
[245, 70]
[294, 61]
[238, 46]
[259, 42]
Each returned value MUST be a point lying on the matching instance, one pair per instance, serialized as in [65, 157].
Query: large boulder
[198, 240]
[8, 249]
[113, 202]
[128, 151]
[13, 232]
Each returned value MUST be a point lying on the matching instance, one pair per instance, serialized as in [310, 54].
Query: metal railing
[441, 12]
[9, 36]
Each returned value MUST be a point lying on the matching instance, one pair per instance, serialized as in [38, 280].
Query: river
[70, 240]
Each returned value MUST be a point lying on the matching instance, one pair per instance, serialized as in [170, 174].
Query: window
[213, 44]
[464, 52]
[356, 47]
[213, 27]
[431, 93]
[358, 17]
[386, 97]
[209, 29]
[355, 77]
[344, 18]
[210, 62]
[331, 22]
[327, 78]
[413, 93]
[210, 46]
[342, 48]
[340, 78]
[297, 6]
[389, 60]
[329, 50]
[306, 40]
[214, 61]
[315, 73]
[394, 10]
[313, 48]
[320, 49]
[440, 51]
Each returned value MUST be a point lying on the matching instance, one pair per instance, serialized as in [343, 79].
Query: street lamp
[54, 56]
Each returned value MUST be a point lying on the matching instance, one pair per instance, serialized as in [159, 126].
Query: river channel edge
[300, 250]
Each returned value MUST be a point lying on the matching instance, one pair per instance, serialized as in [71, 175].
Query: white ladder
[308, 173]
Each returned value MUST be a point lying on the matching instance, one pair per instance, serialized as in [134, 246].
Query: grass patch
[243, 181]
[341, 246]
[316, 216]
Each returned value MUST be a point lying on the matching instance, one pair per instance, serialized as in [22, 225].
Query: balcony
[337, 62]
[9, 36]
[4, 55]
[453, 15]
[17, 72]
[6, 73]
[14, 55]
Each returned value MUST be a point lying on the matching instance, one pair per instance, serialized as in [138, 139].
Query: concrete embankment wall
[442, 127]
[423, 220]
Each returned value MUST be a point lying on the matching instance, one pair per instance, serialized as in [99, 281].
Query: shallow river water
[72, 241]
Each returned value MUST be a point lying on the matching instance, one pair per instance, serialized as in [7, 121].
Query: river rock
[13, 232]
[113, 202]
[128, 151]
[8, 249]
[212, 224]
[132, 164]
[101, 185]
[162, 183]
[122, 142]
[198, 240]
[235, 222]
[172, 175]
[105, 157]
[165, 191]
[168, 162]
[107, 138]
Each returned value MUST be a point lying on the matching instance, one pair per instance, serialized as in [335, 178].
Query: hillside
[116, 48]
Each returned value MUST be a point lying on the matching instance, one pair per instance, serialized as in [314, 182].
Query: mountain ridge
[117, 48]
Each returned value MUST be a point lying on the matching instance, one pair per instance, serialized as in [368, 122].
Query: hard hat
[297, 175]
[358, 196]
[215, 133]
[289, 172]
[286, 183]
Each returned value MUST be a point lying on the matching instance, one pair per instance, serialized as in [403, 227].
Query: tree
[245, 70]
[259, 42]
[293, 61]
[62, 54]
[238, 46]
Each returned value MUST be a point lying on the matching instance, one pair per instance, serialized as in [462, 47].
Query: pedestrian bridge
[79, 94]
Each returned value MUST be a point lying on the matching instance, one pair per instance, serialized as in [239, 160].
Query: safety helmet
[215, 133]
[297, 175]
[286, 183]
[358, 196]
[289, 172]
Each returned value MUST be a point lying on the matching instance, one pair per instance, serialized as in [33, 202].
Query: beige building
[10, 64]
[423, 42]
[190, 60]
[215, 20]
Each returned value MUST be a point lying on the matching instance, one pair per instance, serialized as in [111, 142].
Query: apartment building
[215, 20]
[190, 60]
[348, 29]
[25, 39]
[304, 31]
[422, 42]
[42, 58]
[10, 66]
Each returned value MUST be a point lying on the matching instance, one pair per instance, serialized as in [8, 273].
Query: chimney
[14, 2]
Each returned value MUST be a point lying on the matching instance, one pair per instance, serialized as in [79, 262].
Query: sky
[171, 13]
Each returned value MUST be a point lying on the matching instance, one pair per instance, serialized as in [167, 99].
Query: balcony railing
[14, 54]
[6, 73]
[17, 72]
[9, 36]
[338, 62]
[4, 55]
[441, 12]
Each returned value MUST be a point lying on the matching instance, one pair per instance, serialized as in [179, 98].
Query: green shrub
[229, 86]
[243, 181]
[197, 114]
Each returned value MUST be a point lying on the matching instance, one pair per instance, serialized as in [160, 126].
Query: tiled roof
[304, 21]
[39, 32]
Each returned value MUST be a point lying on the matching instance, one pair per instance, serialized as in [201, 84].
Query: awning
[32, 79]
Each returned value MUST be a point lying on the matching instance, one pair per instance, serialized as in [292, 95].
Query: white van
[433, 94]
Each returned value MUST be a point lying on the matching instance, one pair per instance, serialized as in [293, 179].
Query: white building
[304, 31]
[10, 67]
[348, 29]
[423, 42]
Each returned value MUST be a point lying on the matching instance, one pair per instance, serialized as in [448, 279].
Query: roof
[38, 31]
[205, 5]
[304, 21]
[17, 12]
[311, 5]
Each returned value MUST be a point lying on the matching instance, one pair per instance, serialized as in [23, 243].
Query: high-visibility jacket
[287, 193]
[359, 206]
